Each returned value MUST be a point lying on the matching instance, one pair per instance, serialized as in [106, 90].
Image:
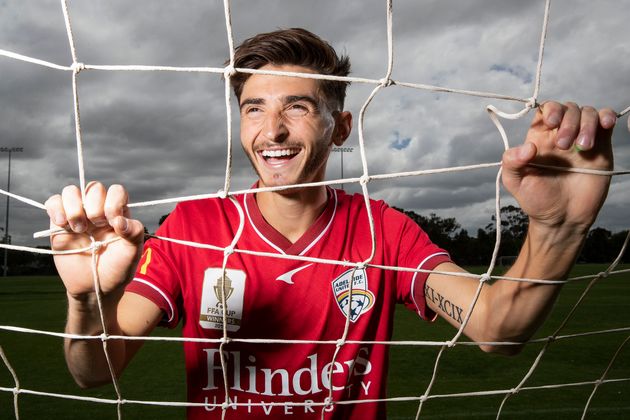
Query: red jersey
[272, 298]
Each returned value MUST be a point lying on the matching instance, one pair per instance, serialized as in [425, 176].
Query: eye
[297, 110]
[252, 112]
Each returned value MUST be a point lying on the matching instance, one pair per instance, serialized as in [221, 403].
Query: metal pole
[341, 167]
[341, 150]
[5, 267]
[7, 237]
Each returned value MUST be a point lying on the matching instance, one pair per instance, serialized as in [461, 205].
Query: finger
[552, 113]
[73, 207]
[607, 118]
[569, 127]
[589, 123]
[516, 158]
[116, 202]
[94, 203]
[514, 164]
[54, 208]
[129, 229]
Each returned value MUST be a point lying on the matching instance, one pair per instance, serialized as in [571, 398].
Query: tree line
[601, 245]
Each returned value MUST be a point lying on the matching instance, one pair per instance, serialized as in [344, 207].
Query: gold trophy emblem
[223, 290]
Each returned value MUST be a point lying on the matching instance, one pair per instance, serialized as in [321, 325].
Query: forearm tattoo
[445, 305]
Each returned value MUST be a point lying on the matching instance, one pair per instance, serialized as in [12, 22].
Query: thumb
[514, 163]
[129, 229]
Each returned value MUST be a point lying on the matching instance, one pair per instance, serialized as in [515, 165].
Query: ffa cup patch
[362, 299]
[222, 292]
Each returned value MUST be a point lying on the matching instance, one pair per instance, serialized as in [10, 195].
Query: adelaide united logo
[359, 300]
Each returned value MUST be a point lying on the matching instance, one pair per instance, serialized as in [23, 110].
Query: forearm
[517, 308]
[86, 356]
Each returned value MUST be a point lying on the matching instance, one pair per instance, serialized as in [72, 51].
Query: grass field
[157, 372]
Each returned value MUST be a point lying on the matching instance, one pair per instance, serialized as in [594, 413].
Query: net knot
[97, 245]
[450, 343]
[484, 278]
[229, 250]
[104, 336]
[341, 342]
[77, 67]
[364, 179]
[386, 82]
[222, 194]
[327, 402]
[229, 71]
[602, 274]
[361, 265]
[532, 103]
[225, 340]
[225, 405]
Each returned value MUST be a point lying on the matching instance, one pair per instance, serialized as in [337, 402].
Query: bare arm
[131, 315]
[506, 310]
[561, 207]
[103, 215]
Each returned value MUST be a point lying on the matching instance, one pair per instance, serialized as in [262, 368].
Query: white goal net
[363, 178]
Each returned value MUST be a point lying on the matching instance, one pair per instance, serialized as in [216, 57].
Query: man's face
[286, 127]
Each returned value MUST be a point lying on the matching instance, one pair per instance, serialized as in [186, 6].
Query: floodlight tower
[7, 237]
[341, 150]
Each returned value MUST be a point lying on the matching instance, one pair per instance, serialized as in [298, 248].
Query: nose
[274, 128]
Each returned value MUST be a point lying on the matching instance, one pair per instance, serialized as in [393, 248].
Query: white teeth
[279, 153]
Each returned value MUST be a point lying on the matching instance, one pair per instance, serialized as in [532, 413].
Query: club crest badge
[360, 300]
[221, 292]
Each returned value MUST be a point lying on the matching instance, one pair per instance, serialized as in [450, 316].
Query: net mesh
[528, 103]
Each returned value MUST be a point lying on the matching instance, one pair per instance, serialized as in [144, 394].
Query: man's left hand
[564, 136]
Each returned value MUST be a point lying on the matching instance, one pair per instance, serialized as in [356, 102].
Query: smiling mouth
[279, 154]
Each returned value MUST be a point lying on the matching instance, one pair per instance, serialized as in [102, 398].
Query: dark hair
[294, 46]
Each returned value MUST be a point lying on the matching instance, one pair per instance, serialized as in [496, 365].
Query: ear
[343, 127]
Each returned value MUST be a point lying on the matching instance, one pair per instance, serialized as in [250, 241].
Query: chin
[283, 183]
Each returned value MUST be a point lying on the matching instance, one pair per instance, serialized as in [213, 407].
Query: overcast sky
[164, 134]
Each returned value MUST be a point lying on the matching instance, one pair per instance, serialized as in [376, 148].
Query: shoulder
[356, 204]
[206, 207]
[196, 214]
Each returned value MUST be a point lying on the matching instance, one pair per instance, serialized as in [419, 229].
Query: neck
[292, 212]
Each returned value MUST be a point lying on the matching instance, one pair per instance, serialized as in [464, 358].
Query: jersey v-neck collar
[276, 240]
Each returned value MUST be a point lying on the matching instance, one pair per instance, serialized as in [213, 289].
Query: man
[288, 127]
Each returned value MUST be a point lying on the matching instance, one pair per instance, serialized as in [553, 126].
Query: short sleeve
[156, 277]
[415, 250]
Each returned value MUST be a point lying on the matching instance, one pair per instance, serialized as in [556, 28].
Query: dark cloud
[164, 134]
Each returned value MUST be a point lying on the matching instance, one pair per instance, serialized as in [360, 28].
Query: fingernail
[608, 121]
[523, 152]
[123, 224]
[554, 119]
[564, 142]
[59, 221]
[100, 222]
[78, 227]
[583, 142]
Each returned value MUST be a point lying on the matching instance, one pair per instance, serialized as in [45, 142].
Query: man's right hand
[103, 215]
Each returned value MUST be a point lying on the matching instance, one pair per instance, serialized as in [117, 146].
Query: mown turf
[157, 372]
[464, 369]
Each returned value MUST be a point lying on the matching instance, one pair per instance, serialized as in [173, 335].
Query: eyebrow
[251, 101]
[297, 98]
[286, 100]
